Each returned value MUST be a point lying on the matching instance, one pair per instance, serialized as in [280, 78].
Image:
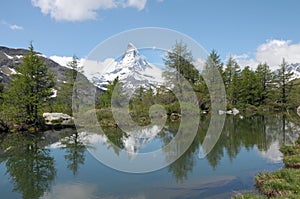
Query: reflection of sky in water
[272, 154]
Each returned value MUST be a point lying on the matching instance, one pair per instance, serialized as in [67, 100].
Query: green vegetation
[283, 183]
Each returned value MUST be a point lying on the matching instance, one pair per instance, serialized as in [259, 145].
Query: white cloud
[139, 4]
[79, 10]
[74, 191]
[15, 27]
[11, 26]
[96, 68]
[199, 64]
[245, 60]
[63, 61]
[272, 52]
[91, 68]
[272, 154]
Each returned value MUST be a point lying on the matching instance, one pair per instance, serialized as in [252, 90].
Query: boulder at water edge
[58, 119]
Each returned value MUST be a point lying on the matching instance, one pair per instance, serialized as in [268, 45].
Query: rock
[229, 112]
[298, 110]
[235, 111]
[175, 116]
[222, 112]
[58, 119]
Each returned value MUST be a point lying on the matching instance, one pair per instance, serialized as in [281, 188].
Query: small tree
[66, 91]
[106, 97]
[29, 90]
[212, 65]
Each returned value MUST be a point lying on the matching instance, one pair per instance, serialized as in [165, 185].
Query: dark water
[57, 164]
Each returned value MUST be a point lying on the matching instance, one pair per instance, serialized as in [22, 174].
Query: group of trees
[259, 87]
[31, 92]
[246, 89]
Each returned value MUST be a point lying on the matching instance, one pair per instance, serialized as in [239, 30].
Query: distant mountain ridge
[11, 57]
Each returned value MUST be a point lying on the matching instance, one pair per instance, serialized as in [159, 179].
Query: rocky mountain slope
[10, 58]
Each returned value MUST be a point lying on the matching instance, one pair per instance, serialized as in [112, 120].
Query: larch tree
[29, 90]
[266, 82]
[284, 82]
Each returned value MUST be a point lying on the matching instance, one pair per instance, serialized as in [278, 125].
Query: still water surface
[57, 164]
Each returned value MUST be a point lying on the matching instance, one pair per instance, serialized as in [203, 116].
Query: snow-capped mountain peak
[130, 47]
[133, 71]
[132, 59]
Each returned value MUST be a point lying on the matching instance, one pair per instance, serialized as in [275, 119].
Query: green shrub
[290, 150]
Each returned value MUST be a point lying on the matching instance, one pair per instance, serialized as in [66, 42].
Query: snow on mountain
[133, 71]
[295, 68]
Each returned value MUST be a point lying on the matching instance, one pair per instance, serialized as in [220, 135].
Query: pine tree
[180, 59]
[231, 77]
[212, 65]
[266, 82]
[29, 90]
[284, 82]
[249, 85]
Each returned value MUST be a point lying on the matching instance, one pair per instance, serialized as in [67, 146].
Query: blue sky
[248, 30]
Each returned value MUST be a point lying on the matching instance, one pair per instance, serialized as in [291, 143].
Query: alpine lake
[58, 164]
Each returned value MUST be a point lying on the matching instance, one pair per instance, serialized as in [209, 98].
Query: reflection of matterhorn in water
[135, 140]
[133, 71]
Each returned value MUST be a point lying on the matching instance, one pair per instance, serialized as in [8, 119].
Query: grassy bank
[283, 183]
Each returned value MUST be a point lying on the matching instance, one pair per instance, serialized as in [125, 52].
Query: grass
[290, 150]
[279, 183]
[292, 161]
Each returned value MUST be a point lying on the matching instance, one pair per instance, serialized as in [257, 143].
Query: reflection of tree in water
[238, 133]
[30, 167]
[75, 150]
[114, 136]
[185, 164]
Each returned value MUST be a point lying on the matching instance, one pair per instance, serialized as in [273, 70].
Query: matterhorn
[133, 71]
